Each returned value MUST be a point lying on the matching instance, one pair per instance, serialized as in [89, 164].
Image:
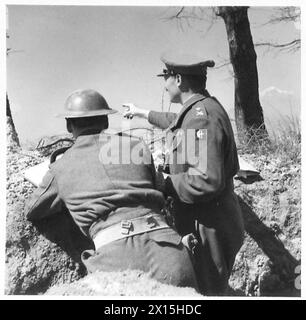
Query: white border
[132, 3]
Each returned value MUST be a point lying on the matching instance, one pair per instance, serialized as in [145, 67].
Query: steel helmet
[86, 103]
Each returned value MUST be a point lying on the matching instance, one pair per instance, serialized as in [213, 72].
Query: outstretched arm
[160, 119]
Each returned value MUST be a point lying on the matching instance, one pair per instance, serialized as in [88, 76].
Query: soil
[127, 283]
[45, 258]
[268, 262]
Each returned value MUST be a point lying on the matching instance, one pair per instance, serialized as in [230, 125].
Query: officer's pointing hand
[131, 110]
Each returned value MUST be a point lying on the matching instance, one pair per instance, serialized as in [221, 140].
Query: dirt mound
[267, 264]
[127, 283]
[42, 257]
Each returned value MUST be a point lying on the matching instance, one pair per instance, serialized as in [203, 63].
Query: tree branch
[223, 64]
[40, 147]
[285, 14]
[185, 15]
[290, 46]
[180, 11]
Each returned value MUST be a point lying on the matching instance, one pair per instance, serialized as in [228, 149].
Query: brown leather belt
[128, 228]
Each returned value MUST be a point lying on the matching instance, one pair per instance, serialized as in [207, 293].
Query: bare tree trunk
[11, 133]
[248, 111]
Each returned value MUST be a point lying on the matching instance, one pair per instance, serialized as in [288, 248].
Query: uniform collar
[187, 105]
[87, 134]
[192, 99]
[90, 131]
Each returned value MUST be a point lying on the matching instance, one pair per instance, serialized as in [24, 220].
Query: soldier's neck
[86, 131]
[186, 96]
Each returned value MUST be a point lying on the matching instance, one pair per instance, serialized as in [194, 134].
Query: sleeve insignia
[201, 133]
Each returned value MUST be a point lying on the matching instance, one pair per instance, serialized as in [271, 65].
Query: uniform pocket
[165, 235]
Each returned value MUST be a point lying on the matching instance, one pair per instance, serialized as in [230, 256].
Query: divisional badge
[201, 133]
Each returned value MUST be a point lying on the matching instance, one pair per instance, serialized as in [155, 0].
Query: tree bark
[248, 111]
[11, 133]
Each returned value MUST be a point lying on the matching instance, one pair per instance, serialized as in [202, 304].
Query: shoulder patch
[199, 110]
[201, 134]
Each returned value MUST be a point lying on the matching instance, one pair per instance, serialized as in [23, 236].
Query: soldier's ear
[178, 79]
[69, 125]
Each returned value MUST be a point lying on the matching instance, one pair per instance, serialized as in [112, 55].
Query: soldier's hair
[195, 82]
[90, 122]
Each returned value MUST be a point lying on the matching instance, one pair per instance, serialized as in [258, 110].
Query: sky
[116, 51]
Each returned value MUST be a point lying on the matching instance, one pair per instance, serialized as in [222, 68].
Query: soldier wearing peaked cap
[204, 201]
[115, 203]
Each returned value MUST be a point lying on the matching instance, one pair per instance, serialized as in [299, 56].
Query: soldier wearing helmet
[117, 205]
[204, 201]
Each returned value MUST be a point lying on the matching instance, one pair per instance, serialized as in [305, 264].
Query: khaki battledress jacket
[203, 191]
[101, 189]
